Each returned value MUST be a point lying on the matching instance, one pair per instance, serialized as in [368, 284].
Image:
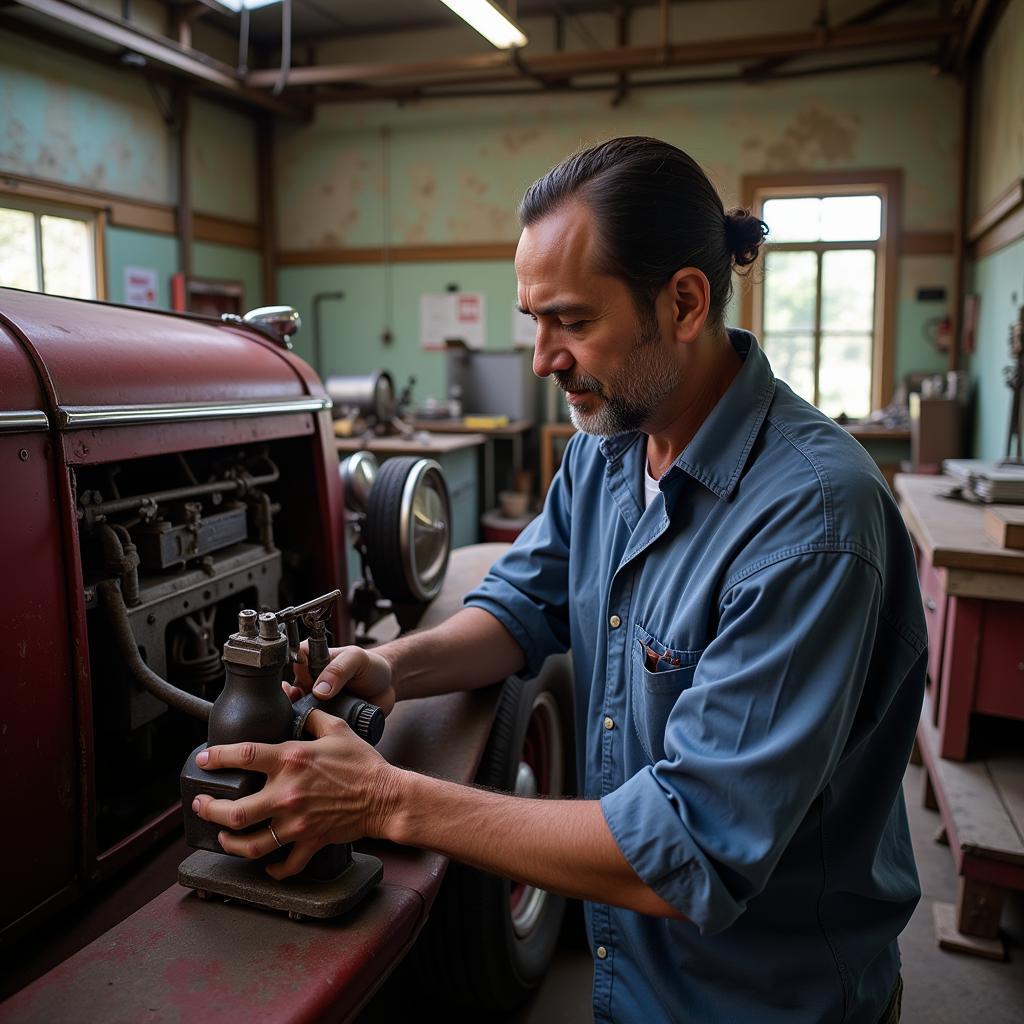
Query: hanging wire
[385, 160]
[286, 47]
[243, 42]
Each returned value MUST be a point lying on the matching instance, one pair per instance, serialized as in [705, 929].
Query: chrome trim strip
[18, 421]
[73, 417]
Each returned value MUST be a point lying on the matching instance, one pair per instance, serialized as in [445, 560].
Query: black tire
[470, 952]
[383, 534]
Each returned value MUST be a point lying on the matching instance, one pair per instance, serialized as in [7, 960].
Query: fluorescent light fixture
[494, 25]
[237, 5]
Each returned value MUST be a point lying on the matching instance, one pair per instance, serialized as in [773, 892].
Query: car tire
[488, 941]
[383, 533]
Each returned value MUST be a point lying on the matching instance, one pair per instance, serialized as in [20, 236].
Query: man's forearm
[563, 846]
[470, 650]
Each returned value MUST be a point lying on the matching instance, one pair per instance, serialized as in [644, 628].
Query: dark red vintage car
[159, 474]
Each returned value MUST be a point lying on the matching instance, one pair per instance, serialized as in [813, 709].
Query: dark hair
[656, 212]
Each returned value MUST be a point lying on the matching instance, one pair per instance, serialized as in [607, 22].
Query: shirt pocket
[659, 675]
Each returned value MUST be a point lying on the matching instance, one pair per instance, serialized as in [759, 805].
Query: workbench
[973, 593]
[514, 432]
[454, 453]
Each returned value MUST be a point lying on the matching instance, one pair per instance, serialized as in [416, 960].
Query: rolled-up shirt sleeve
[527, 589]
[753, 741]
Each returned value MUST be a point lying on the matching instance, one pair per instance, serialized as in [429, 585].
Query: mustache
[567, 382]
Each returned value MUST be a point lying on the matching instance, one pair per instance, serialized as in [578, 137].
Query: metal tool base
[215, 874]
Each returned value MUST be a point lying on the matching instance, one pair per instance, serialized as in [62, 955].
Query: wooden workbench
[514, 431]
[973, 592]
[420, 443]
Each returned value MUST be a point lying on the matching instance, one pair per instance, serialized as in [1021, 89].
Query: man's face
[613, 364]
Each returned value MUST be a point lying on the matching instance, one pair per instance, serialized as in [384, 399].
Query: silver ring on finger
[274, 834]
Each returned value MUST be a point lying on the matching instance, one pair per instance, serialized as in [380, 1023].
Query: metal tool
[253, 707]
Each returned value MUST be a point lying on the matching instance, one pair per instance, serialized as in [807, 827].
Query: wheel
[408, 529]
[488, 941]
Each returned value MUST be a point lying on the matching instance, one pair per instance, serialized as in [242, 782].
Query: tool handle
[365, 719]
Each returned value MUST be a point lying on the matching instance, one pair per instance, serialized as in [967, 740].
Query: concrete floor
[940, 987]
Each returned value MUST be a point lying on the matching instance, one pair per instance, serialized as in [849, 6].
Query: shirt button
[615, 622]
[601, 952]
[609, 723]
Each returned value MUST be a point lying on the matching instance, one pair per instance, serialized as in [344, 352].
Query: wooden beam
[183, 219]
[864, 17]
[116, 33]
[927, 243]
[1006, 204]
[207, 227]
[399, 254]
[497, 67]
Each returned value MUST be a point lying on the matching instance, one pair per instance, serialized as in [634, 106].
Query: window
[820, 307]
[48, 249]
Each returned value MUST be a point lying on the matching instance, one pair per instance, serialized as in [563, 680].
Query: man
[740, 598]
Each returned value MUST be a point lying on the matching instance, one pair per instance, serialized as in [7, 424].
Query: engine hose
[124, 640]
[120, 556]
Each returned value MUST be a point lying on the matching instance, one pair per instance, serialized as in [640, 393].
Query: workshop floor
[940, 987]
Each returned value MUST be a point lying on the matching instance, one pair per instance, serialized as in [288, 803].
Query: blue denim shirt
[750, 659]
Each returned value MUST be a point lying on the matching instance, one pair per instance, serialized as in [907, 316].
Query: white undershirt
[651, 488]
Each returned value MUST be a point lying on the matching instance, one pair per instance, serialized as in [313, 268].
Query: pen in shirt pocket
[650, 659]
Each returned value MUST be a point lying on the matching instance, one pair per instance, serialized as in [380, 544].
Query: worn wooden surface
[950, 937]
[1004, 526]
[952, 533]
[981, 804]
[419, 444]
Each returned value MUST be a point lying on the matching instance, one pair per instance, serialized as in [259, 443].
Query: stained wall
[452, 172]
[71, 121]
[997, 163]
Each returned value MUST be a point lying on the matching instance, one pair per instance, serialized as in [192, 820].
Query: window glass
[793, 220]
[844, 381]
[851, 218]
[18, 265]
[67, 257]
[848, 290]
[790, 295]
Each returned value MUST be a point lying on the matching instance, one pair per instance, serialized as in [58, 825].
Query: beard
[630, 397]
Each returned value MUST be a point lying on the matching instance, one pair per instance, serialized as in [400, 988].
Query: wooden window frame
[888, 184]
[54, 205]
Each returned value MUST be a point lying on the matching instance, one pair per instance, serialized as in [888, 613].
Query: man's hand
[334, 789]
[361, 673]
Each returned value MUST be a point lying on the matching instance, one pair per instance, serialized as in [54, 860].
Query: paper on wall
[452, 316]
[140, 286]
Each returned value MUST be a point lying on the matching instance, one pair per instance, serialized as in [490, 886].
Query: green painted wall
[75, 122]
[230, 263]
[997, 161]
[441, 172]
[351, 329]
[140, 249]
[997, 279]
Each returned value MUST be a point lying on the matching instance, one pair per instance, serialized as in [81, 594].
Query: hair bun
[744, 234]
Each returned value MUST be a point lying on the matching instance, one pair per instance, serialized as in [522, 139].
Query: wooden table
[513, 431]
[455, 453]
[973, 591]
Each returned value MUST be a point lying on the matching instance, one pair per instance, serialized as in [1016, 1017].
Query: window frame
[93, 215]
[888, 185]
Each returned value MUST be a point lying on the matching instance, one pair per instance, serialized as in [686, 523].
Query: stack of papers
[988, 481]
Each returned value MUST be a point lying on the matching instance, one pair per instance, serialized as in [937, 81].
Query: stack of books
[988, 481]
